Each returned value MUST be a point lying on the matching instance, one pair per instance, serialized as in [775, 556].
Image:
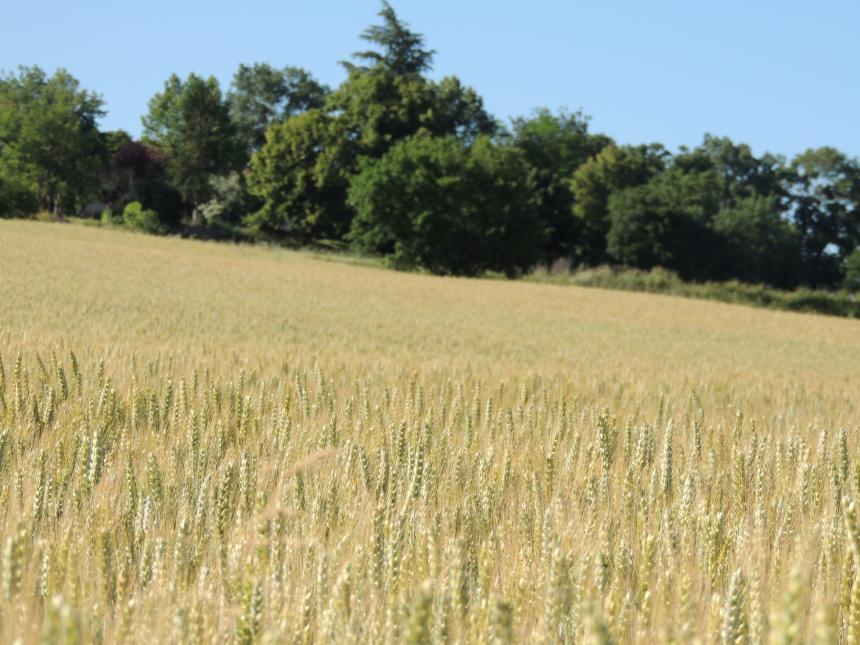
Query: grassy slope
[500, 388]
[110, 292]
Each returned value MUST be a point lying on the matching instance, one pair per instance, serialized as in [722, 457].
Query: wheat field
[204, 443]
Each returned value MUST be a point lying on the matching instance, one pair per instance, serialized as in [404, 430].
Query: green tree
[113, 141]
[190, 123]
[458, 110]
[741, 198]
[826, 193]
[613, 169]
[389, 99]
[555, 145]
[377, 108]
[19, 195]
[852, 272]
[302, 172]
[666, 223]
[438, 203]
[402, 50]
[760, 245]
[261, 95]
[741, 175]
[301, 176]
[51, 124]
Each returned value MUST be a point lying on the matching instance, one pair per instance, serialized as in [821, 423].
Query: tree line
[396, 164]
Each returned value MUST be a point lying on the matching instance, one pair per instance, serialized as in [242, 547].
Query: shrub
[660, 280]
[137, 218]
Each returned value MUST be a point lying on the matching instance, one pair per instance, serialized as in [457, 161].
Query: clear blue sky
[780, 75]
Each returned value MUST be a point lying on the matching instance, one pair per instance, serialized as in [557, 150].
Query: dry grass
[263, 446]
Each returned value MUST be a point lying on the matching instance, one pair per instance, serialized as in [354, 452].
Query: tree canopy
[261, 95]
[190, 123]
[555, 145]
[301, 176]
[612, 170]
[450, 207]
[51, 126]
[399, 50]
[415, 169]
